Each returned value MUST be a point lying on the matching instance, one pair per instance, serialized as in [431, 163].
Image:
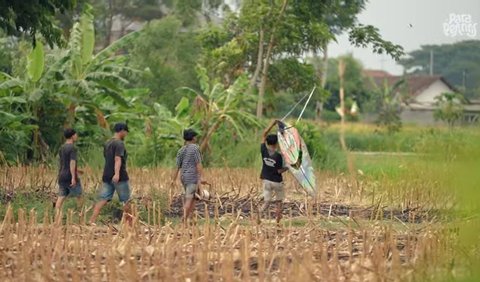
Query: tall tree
[283, 28]
[169, 52]
[33, 16]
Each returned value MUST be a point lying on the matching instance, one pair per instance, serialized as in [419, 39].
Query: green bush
[330, 116]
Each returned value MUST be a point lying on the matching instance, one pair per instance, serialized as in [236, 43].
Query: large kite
[295, 152]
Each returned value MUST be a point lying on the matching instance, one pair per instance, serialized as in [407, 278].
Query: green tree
[388, 99]
[15, 130]
[272, 30]
[169, 54]
[32, 17]
[457, 63]
[289, 80]
[449, 108]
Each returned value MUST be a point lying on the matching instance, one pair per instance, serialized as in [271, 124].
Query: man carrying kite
[272, 169]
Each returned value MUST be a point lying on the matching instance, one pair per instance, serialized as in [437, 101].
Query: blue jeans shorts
[64, 190]
[122, 188]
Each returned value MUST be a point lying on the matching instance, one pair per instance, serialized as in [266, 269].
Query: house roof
[415, 84]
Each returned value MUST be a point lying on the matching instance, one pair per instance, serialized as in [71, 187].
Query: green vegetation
[184, 67]
[32, 17]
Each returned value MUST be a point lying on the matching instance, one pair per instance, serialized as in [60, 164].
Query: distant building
[419, 97]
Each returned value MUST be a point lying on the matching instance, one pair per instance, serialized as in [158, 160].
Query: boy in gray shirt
[189, 165]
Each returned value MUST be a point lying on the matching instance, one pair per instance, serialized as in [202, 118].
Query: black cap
[120, 126]
[69, 132]
[188, 134]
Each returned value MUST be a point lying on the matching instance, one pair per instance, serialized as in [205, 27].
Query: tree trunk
[266, 63]
[109, 25]
[325, 65]
[341, 72]
[206, 139]
[322, 77]
[263, 82]
[254, 78]
[350, 157]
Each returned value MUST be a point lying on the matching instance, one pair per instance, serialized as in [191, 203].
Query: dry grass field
[351, 232]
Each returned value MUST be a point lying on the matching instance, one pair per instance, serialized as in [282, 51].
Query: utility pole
[431, 62]
[341, 76]
[341, 72]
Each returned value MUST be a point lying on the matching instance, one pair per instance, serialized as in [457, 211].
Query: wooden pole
[341, 74]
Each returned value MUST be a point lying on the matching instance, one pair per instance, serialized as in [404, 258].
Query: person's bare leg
[58, 208]
[127, 213]
[96, 210]
[265, 206]
[261, 211]
[80, 201]
[188, 208]
[279, 211]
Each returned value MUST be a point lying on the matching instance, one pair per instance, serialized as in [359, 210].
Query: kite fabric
[296, 157]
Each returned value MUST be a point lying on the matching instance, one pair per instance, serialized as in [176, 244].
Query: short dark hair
[272, 139]
[68, 133]
[189, 134]
[120, 126]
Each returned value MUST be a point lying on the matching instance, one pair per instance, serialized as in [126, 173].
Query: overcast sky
[394, 17]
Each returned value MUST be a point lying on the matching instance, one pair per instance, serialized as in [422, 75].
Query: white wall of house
[435, 89]
[420, 117]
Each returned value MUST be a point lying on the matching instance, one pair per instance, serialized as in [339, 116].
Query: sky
[409, 23]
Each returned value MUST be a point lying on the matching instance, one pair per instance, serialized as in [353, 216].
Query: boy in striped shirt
[189, 165]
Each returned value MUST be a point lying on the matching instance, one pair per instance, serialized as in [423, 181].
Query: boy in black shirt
[68, 182]
[272, 170]
[115, 177]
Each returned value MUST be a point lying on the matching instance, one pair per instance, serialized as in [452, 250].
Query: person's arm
[178, 167]
[200, 173]
[119, 153]
[73, 167]
[281, 168]
[175, 175]
[267, 130]
[118, 165]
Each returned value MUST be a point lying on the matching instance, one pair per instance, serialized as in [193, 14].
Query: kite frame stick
[294, 106]
[306, 103]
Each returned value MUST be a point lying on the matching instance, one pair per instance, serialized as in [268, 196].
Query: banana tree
[217, 105]
[84, 83]
[25, 94]
[15, 132]
[85, 79]
[388, 98]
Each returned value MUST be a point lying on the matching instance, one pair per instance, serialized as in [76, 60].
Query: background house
[419, 95]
